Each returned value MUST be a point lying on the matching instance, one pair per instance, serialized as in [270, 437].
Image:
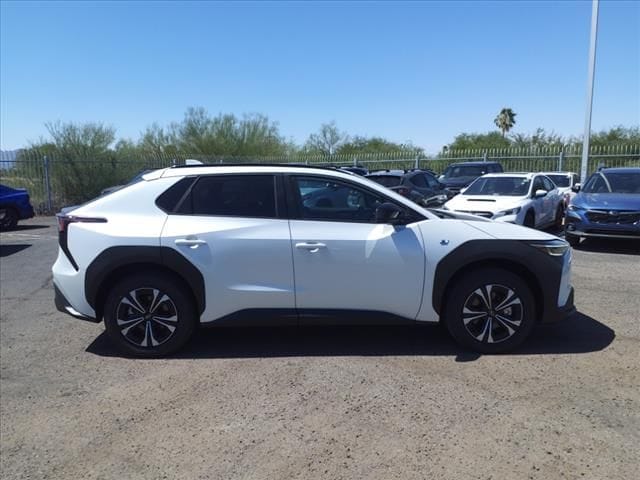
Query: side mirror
[388, 213]
[576, 188]
[540, 194]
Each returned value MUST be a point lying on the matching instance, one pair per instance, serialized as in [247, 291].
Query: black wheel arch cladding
[537, 267]
[115, 258]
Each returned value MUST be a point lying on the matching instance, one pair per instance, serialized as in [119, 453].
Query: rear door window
[233, 195]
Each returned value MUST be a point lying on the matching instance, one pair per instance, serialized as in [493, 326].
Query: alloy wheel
[492, 313]
[146, 317]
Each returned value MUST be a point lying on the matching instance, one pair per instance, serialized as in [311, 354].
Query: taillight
[65, 220]
[63, 229]
[403, 191]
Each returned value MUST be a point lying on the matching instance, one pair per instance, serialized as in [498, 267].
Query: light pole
[592, 69]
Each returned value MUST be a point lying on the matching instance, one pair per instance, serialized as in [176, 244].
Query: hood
[483, 203]
[607, 201]
[511, 231]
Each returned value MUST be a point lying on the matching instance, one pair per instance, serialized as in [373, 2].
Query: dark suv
[421, 186]
[460, 175]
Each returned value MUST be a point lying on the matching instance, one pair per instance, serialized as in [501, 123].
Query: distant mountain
[8, 158]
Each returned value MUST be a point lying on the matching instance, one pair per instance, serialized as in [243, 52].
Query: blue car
[608, 205]
[14, 206]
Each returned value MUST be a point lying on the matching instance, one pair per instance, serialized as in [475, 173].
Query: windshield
[465, 171]
[560, 180]
[386, 180]
[609, 182]
[510, 186]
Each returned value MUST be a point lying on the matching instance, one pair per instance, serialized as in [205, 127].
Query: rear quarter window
[169, 200]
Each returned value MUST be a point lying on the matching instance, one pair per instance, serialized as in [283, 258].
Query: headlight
[575, 208]
[512, 211]
[555, 248]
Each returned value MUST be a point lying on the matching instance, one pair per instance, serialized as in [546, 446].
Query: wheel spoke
[154, 306]
[485, 329]
[133, 302]
[469, 315]
[128, 321]
[512, 299]
[508, 323]
[163, 322]
[125, 331]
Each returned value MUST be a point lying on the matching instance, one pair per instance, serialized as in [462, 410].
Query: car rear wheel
[149, 315]
[490, 311]
[8, 218]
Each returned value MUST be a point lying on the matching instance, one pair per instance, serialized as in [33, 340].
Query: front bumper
[63, 305]
[578, 225]
[555, 314]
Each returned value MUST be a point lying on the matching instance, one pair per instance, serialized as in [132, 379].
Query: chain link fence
[55, 181]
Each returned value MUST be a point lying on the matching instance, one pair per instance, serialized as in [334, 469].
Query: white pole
[592, 69]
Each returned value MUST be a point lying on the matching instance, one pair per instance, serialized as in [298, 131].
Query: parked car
[529, 199]
[15, 205]
[459, 175]
[233, 245]
[420, 186]
[565, 181]
[607, 206]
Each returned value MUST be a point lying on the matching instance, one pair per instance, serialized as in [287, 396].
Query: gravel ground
[375, 403]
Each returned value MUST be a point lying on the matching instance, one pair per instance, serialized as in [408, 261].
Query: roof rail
[252, 164]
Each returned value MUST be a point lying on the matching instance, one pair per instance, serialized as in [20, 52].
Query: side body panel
[245, 262]
[358, 266]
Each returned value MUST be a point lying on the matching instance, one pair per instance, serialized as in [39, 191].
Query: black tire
[503, 328]
[8, 218]
[572, 240]
[140, 296]
[530, 219]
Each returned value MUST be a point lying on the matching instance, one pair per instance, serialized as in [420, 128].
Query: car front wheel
[490, 311]
[149, 315]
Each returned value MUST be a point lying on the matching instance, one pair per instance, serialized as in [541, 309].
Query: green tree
[484, 141]
[364, 145]
[327, 141]
[505, 120]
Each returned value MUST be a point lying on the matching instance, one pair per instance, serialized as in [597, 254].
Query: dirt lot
[374, 403]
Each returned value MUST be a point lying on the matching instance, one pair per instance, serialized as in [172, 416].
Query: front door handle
[312, 247]
[190, 242]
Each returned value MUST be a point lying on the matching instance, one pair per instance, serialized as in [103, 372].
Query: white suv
[256, 245]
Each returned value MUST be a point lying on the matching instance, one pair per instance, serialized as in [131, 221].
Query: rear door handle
[312, 247]
[189, 242]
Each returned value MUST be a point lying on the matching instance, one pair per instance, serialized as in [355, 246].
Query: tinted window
[537, 185]
[609, 182]
[326, 199]
[548, 184]
[233, 195]
[418, 180]
[431, 181]
[560, 180]
[465, 171]
[386, 180]
[168, 201]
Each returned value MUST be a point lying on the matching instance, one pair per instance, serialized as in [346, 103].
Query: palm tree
[505, 120]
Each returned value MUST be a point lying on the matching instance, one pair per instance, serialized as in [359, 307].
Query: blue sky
[414, 71]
